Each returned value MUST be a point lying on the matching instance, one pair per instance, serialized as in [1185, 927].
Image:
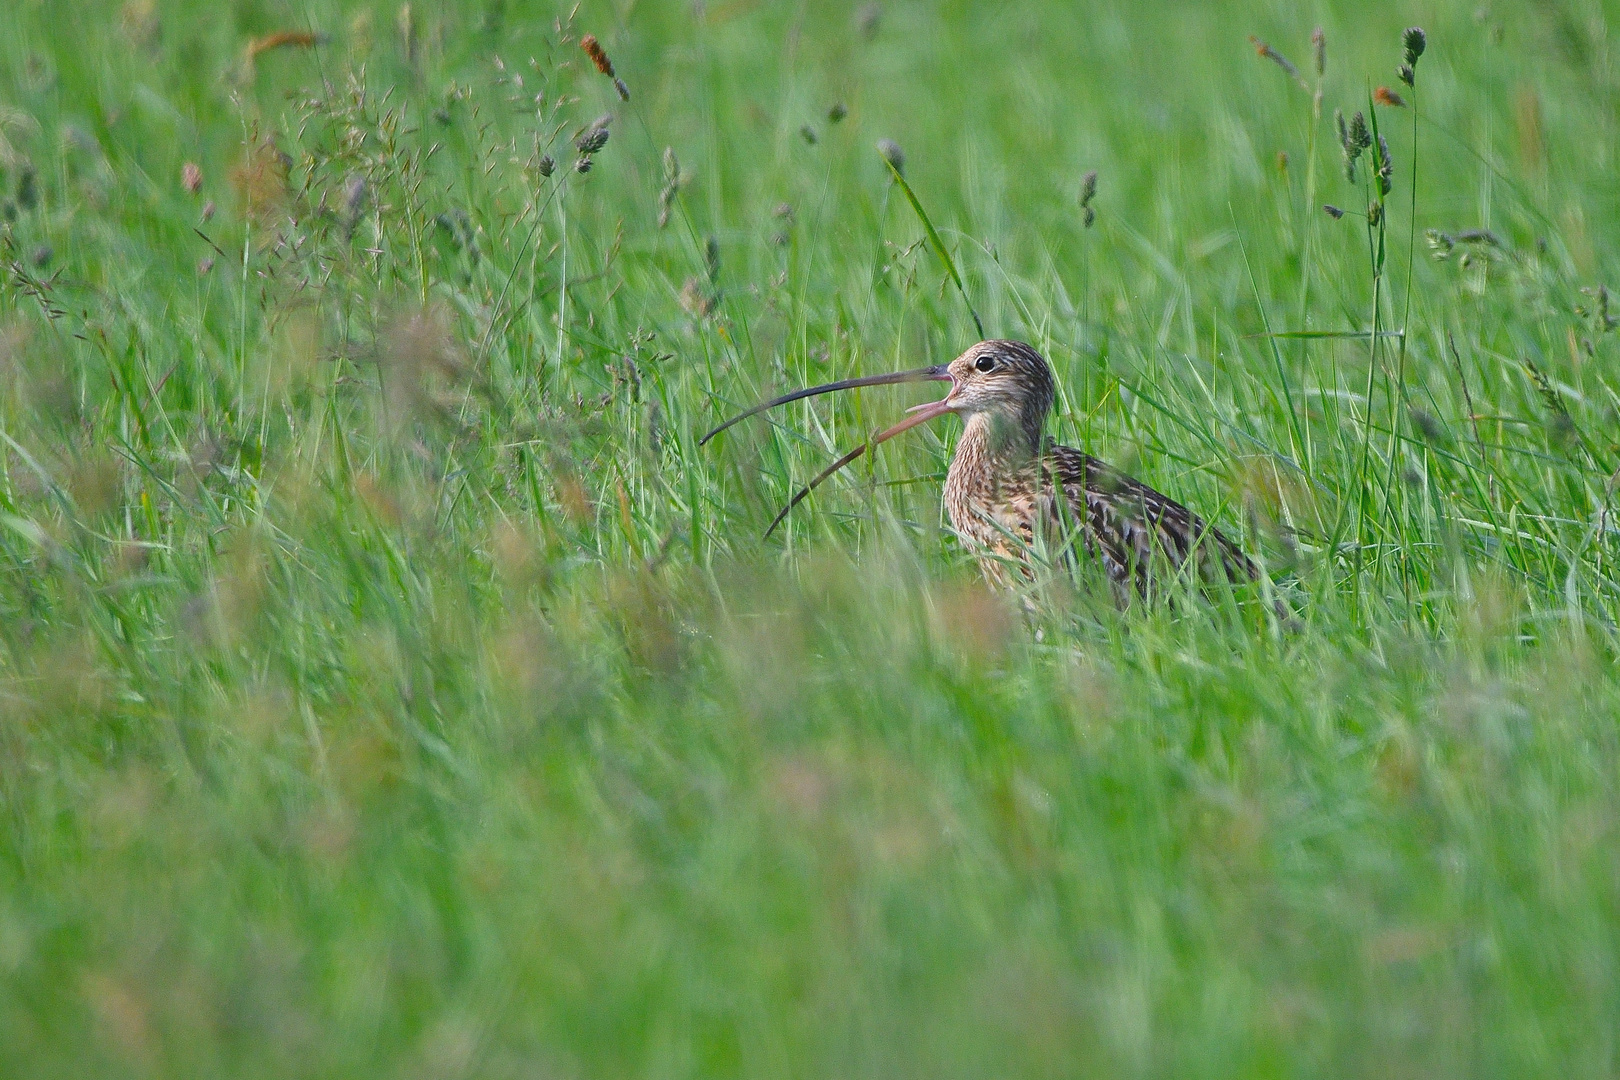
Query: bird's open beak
[937, 372]
[920, 414]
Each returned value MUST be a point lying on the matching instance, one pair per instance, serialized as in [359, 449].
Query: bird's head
[1008, 384]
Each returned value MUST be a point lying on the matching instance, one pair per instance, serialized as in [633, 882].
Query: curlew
[1014, 496]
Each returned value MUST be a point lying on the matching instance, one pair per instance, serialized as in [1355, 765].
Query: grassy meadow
[391, 686]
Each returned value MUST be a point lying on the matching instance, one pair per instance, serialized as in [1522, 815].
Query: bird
[1012, 493]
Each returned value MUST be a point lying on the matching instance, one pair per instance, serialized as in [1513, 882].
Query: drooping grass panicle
[1266, 52]
[599, 57]
[928, 226]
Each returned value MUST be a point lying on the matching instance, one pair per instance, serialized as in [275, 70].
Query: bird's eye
[985, 363]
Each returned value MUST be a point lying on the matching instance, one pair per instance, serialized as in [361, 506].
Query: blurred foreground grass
[389, 686]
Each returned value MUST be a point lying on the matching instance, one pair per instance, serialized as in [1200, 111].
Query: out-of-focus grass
[390, 686]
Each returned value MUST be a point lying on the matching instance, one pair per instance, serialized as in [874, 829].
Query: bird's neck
[991, 445]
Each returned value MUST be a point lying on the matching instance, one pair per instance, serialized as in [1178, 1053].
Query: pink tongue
[920, 414]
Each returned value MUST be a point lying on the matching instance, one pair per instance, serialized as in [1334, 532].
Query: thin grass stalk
[1294, 431]
[1376, 250]
[1398, 398]
[937, 244]
[1306, 237]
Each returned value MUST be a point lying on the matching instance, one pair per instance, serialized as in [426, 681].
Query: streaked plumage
[1014, 497]
[1001, 492]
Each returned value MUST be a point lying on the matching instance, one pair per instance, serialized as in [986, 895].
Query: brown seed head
[191, 178]
[593, 49]
[1389, 98]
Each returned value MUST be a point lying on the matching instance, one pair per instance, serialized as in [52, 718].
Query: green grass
[390, 686]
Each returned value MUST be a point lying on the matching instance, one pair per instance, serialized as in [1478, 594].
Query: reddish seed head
[1385, 96]
[593, 49]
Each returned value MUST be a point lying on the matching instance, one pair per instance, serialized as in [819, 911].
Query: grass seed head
[1266, 52]
[1386, 168]
[808, 134]
[354, 197]
[593, 49]
[891, 152]
[1430, 428]
[838, 111]
[868, 20]
[191, 178]
[1360, 137]
[1088, 188]
[1332, 211]
[1355, 139]
[582, 164]
[1319, 51]
[711, 259]
[27, 187]
[591, 139]
[1389, 98]
[548, 165]
[1413, 41]
[1405, 74]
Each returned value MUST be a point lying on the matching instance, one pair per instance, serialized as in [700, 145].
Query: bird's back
[1137, 534]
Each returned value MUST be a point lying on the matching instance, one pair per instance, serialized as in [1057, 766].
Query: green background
[390, 685]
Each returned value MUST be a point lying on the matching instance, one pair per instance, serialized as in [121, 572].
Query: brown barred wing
[1131, 527]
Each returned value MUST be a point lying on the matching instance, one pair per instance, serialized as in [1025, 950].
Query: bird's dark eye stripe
[985, 363]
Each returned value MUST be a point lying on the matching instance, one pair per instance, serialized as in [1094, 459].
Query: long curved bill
[924, 374]
[920, 414]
